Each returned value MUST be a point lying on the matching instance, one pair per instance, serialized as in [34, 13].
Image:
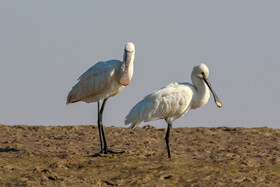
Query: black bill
[216, 98]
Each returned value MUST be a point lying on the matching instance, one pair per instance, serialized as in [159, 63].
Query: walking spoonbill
[102, 81]
[174, 101]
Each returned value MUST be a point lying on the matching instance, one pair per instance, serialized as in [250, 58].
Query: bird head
[201, 72]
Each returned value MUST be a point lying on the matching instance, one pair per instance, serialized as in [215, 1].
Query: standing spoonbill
[173, 101]
[103, 80]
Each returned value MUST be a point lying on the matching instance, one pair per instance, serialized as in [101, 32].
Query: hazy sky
[46, 45]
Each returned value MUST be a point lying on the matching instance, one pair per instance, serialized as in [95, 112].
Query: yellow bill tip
[219, 104]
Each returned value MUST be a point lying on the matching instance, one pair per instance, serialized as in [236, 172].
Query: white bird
[173, 101]
[103, 80]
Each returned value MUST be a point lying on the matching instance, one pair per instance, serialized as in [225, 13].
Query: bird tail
[137, 114]
[71, 98]
[134, 125]
[129, 119]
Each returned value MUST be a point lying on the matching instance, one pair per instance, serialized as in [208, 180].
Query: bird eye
[202, 73]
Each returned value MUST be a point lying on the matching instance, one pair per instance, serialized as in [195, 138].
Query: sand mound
[68, 156]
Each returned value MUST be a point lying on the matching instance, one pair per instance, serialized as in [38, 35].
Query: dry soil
[69, 156]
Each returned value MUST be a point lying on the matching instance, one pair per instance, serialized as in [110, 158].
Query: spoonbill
[174, 101]
[102, 81]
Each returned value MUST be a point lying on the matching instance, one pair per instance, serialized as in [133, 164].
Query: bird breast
[201, 97]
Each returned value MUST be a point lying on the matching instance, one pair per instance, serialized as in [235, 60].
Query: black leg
[167, 139]
[101, 125]
[99, 122]
[106, 149]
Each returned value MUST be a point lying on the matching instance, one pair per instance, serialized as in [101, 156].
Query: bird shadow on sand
[8, 150]
[111, 154]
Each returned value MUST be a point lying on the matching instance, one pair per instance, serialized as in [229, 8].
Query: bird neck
[127, 71]
[202, 94]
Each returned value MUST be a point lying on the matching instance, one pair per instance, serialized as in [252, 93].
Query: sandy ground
[68, 156]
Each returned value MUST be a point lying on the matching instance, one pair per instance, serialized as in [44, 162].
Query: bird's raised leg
[99, 122]
[167, 139]
[106, 149]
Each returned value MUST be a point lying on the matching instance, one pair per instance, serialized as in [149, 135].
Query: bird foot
[111, 151]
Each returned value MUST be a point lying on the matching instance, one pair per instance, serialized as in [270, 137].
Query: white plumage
[173, 101]
[99, 82]
[170, 103]
[102, 81]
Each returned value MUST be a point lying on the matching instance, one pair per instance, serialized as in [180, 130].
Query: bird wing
[172, 101]
[94, 81]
